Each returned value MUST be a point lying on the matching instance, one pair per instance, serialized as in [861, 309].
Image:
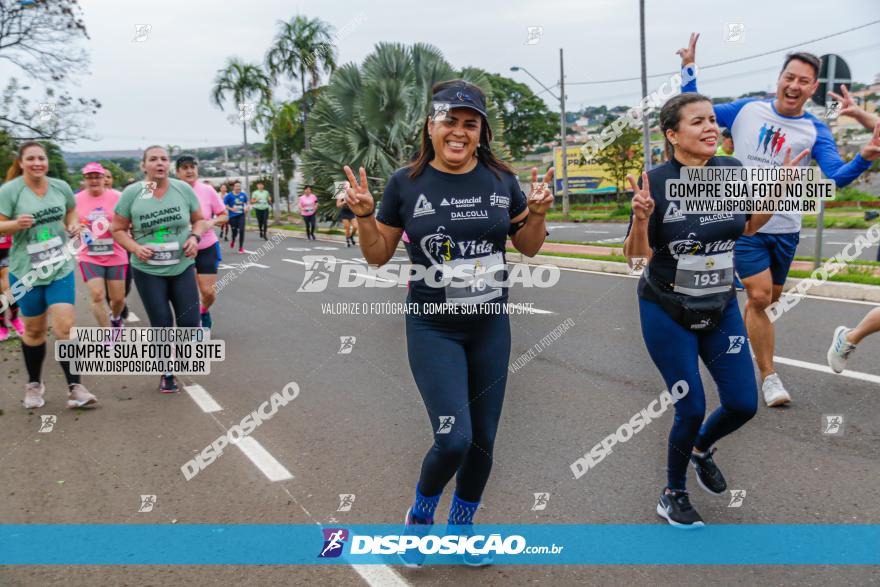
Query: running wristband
[367, 215]
[198, 238]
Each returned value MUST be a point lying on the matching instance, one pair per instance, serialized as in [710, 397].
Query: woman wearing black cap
[458, 203]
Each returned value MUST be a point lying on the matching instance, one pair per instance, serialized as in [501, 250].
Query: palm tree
[372, 115]
[246, 83]
[302, 50]
[280, 123]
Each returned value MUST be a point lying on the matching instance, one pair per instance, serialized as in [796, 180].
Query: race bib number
[308, 210]
[101, 247]
[702, 275]
[47, 252]
[164, 253]
[475, 281]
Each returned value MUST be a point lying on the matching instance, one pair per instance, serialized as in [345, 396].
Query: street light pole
[565, 204]
[646, 126]
[561, 98]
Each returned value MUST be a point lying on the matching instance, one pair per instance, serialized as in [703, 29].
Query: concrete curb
[843, 291]
[829, 289]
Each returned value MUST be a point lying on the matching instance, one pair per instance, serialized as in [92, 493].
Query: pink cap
[94, 167]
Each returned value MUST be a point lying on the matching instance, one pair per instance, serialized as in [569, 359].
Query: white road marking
[294, 261]
[596, 231]
[202, 398]
[379, 576]
[326, 248]
[528, 310]
[617, 239]
[132, 317]
[249, 252]
[826, 369]
[264, 461]
[299, 249]
[241, 266]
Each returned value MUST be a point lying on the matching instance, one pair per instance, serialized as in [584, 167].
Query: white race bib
[100, 247]
[702, 275]
[476, 280]
[47, 252]
[164, 253]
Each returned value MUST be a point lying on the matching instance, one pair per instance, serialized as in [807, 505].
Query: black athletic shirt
[450, 218]
[672, 233]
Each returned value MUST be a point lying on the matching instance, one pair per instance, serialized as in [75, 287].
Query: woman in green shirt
[41, 212]
[261, 200]
[159, 212]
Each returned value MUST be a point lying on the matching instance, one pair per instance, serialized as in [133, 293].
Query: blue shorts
[36, 301]
[760, 251]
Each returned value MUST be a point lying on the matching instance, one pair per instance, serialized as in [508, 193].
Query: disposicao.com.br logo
[470, 274]
[469, 543]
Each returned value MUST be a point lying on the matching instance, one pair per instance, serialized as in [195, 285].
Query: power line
[755, 56]
[635, 92]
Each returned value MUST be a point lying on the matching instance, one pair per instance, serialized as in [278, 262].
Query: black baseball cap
[184, 159]
[461, 95]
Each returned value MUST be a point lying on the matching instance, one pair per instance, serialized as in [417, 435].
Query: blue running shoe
[412, 558]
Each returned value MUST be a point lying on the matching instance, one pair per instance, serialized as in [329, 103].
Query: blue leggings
[675, 350]
[460, 369]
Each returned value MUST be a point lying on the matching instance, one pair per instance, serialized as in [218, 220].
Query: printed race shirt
[762, 136]
[101, 249]
[41, 246]
[460, 221]
[692, 253]
[161, 224]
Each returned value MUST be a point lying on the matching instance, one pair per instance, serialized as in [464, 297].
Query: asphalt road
[358, 427]
[833, 239]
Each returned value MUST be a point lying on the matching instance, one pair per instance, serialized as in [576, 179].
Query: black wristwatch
[367, 215]
[198, 238]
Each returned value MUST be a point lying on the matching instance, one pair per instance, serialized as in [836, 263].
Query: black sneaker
[708, 475]
[168, 384]
[675, 507]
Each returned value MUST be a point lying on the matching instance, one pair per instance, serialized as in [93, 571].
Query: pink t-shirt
[308, 204]
[90, 208]
[211, 206]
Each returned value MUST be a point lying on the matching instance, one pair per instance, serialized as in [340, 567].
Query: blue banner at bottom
[205, 544]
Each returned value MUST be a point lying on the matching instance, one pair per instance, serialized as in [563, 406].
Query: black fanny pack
[697, 313]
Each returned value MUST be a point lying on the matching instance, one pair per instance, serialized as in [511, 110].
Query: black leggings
[460, 369]
[263, 220]
[237, 224]
[160, 294]
[310, 226]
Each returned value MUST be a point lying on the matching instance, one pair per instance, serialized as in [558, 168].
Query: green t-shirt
[260, 200]
[162, 224]
[44, 245]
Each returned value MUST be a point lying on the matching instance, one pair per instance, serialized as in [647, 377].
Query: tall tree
[527, 120]
[623, 156]
[41, 38]
[372, 115]
[247, 85]
[302, 51]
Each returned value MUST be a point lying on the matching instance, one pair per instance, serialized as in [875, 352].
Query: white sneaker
[79, 397]
[840, 350]
[33, 395]
[774, 392]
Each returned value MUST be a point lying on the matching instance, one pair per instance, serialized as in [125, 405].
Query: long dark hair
[484, 150]
[16, 169]
[670, 114]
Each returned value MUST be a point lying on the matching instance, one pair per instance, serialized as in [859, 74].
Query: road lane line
[265, 462]
[826, 369]
[132, 317]
[379, 576]
[202, 398]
